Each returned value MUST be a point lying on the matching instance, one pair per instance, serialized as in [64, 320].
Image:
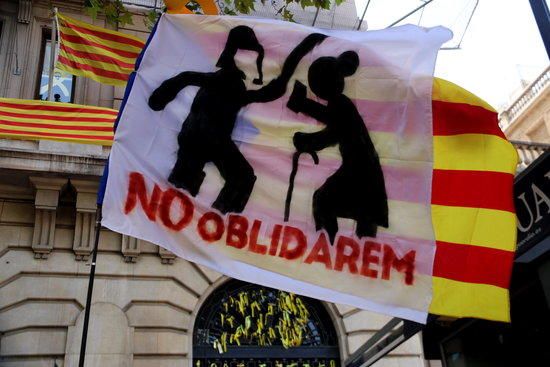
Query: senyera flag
[44, 120]
[312, 161]
[101, 54]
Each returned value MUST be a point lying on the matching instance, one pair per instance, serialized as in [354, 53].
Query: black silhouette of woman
[356, 190]
[205, 135]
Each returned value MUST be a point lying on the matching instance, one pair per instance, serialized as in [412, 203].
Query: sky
[501, 47]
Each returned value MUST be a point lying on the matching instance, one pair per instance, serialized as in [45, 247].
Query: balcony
[529, 95]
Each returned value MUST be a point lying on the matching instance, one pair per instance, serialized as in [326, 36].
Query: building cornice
[34, 161]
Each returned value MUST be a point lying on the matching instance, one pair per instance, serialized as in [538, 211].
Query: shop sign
[532, 199]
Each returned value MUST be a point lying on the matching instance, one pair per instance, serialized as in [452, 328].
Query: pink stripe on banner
[379, 116]
[277, 48]
[402, 183]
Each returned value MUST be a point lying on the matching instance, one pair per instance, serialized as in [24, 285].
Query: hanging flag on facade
[473, 212]
[36, 120]
[101, 54]
[304, 165]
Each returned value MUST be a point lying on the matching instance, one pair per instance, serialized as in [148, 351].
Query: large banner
[283, 155]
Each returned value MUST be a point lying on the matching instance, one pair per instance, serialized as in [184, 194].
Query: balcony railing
[531, 92]
[528, 152]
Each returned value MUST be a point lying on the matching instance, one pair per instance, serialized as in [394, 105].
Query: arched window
[246, 325]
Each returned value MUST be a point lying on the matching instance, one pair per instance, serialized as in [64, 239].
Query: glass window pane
[62, 81]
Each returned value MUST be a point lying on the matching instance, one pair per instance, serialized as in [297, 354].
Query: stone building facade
[145, 300]
[526, 121]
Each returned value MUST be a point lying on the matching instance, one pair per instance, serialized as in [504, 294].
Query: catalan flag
[100, 54]
[472, 207]
[73, 123]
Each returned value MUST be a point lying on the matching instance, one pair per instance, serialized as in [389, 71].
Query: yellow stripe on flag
[106, 134]
[94, 50]
[474, 152]
[95, 28]
[445, 91]
[91, 75]
[460, 299]
[92, 38]
[97, 64]
[475, 226]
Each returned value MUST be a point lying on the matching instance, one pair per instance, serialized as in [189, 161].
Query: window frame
[46, 36]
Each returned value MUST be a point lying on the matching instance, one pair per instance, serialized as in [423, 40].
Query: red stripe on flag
[97, 71]
[37, 107]
[55, 118]
[473, 189]
[58, 127]
[104, 35]
[57, 135]
[460, 118]
[84, 41]
[473, 264]
[97, 57]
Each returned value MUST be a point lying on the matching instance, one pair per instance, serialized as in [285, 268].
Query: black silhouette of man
[357, 189]
[205, 135]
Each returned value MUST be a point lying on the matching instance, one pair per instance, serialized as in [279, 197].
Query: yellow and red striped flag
[73, 123]
[473, 211]
[100, 54]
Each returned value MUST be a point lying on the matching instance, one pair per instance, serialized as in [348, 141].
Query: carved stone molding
[166, 257]
[84, 230]
[130, 248]
[24, 12]
[45, 203]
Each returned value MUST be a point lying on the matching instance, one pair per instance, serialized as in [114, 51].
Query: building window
[63, 82]
[246, 325]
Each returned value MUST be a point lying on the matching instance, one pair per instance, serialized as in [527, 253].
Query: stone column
[130, 248]
[45, 203]
[84, 228]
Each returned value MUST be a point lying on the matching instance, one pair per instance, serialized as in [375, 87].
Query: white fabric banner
[283, 155]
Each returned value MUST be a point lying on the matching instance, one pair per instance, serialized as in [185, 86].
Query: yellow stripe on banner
[95, 110]
[97, 64]
[475, 226]
[60, 131]
[91, 75]
[96, 39]
[41, 114]
[96, 28]
[446, 91]
[460, 299]
[104, 142]
[99, 51]
[474, 152]
[39, 119]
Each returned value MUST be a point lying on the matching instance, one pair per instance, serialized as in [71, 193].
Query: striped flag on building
[473, 211]
[100, 54]
[36, 120]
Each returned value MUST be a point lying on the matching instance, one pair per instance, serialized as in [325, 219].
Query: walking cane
[295, 159]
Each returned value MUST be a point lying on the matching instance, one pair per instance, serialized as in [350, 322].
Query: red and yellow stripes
[36, 120]
[472, 207]
[100, 54]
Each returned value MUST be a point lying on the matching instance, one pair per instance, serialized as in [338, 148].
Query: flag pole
[90, 289]
[53, 42]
